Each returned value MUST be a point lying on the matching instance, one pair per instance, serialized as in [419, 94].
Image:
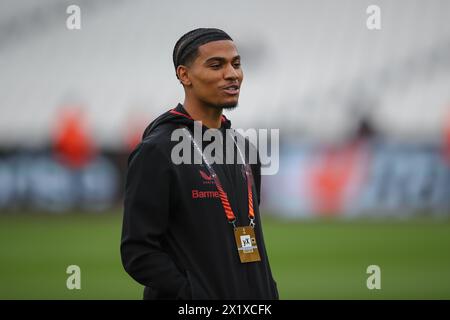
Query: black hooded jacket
[176, 240]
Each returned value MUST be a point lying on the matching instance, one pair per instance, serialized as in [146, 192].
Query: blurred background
[364, 119]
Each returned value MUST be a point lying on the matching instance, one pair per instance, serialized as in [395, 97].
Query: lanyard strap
[222, 194]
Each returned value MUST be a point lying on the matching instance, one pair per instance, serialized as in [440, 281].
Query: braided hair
[186, 48]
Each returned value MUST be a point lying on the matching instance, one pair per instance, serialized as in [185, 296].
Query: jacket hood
[179, 116]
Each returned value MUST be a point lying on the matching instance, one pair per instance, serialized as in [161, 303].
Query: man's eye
[237, 65]
[215, 66]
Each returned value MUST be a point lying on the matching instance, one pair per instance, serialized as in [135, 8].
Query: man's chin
[230, 106]
[226, 105]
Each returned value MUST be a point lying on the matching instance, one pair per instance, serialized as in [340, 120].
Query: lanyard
[222, 194]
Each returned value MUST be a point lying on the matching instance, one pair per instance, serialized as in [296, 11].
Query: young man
[193, 231]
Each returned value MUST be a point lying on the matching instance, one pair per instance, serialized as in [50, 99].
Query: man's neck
[209, 116]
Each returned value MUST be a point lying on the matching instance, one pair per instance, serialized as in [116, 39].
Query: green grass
[310, 260]
[328, 260]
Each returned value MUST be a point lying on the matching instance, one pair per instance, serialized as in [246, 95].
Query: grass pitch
[316, 259]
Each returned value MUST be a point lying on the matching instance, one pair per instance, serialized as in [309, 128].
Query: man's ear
[183, 75]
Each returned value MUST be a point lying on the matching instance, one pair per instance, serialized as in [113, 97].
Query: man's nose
[231, 73]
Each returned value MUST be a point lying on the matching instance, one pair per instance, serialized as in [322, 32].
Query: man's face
[216, 74]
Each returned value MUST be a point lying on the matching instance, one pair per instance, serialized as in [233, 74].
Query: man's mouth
[232, 89]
